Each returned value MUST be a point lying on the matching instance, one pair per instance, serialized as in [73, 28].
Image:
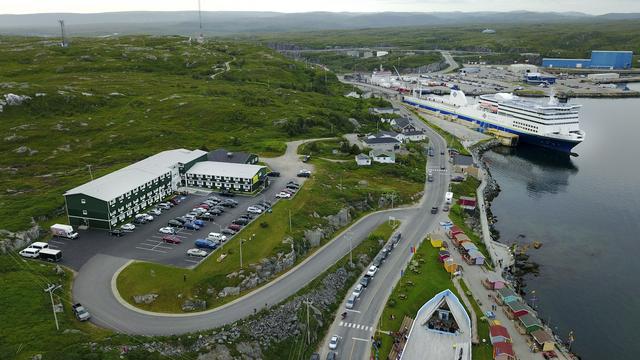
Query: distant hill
[226, 23]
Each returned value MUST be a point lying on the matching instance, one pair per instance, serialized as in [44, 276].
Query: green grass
[325, 149]
[482, 350]
[332, 187]
[417, 287]
[168, 101]
[465, 188]
[28, 326]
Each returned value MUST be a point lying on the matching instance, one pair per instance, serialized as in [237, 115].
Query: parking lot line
[57, 242]
[192, 261]
[160, 251]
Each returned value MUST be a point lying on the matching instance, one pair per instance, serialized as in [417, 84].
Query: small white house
[417, 135]
[383, 157]
[363, 160]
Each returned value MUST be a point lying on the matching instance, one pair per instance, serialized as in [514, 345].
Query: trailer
[65, 231]
[51, 255]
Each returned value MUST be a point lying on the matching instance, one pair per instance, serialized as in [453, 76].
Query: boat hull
[542, 141]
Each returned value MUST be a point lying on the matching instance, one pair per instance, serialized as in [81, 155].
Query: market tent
[476, 256]
[503, 351]
[450, 265]
[453, 231]
[530, 323]
[506, 294]
[544, 340]
[499, 333]
[518, 308]
[495, 282]
[436, 243]
[467, 246]
[458, 238]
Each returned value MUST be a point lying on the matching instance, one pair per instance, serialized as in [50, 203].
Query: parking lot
[146, 242]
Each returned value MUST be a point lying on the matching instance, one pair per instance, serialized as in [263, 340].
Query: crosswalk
[357, 326]
[437, 170]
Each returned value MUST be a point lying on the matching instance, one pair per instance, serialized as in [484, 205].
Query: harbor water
[585, 210]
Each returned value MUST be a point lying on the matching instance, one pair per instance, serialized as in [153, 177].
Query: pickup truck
[81, 313]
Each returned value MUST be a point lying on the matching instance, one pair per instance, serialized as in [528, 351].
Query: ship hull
[542, 141]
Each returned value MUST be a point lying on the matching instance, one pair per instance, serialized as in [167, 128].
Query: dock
[505, 138]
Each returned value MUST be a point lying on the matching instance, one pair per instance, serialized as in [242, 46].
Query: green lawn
[325, 149]
[28, 326]
[332, 187]
[415, 288]
[465, 188]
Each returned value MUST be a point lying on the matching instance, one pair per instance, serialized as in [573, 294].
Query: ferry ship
[552, 125]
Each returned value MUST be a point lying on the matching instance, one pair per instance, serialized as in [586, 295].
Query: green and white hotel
[115, 198]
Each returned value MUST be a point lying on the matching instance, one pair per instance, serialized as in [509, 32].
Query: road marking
[160, 251]
[355, 311]
[192, 261]
[360, 339]
[341, 323]
[57, 242]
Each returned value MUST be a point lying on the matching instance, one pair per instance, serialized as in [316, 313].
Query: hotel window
[84, 212]
[83, 201]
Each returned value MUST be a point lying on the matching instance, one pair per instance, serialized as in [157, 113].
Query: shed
[476, 257]
[467, 202]
[494, 283]
[468, 246]
[450, 265]
[498, 334]
[436, 243]
[460, 238]
[506, 294]
[503, 351]
[453, 231]
[543, 339]
[530, 323]
[517, 308]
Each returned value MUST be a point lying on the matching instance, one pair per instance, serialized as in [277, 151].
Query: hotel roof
[217, 168]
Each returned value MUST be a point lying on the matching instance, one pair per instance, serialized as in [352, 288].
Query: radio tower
[64, 42]
[200, 36]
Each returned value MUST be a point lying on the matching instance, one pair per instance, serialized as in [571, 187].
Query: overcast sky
[89, 6]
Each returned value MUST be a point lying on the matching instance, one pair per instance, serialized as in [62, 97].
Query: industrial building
[113, 198]
[226, 176]
[600, 59]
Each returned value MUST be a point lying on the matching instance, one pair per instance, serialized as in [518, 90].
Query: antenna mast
[200, 36]
[64, 42]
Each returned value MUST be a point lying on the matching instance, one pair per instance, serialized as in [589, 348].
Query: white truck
[81, 312]
[65, 231]
[448, 198]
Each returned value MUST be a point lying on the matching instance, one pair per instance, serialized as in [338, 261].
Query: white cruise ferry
[552, 125]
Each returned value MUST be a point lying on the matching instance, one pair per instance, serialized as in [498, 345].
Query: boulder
[229, 290]
[145, 299]
[194, 305]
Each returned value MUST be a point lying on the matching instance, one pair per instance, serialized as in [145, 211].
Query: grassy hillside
[108, 102]
[549, 39]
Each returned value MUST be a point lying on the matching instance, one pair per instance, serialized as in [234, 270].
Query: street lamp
[241, 241]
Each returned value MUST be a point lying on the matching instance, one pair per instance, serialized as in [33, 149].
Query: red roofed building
[498, 334]
[503, 351]
[467, 202]
[453, 231]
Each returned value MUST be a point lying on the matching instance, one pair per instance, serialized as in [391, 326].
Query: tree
[355, 149]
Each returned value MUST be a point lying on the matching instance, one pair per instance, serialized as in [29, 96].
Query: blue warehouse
[600, 59]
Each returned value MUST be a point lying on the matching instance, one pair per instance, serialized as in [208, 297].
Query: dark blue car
[206, 244]
[199, 222]
[191, 226]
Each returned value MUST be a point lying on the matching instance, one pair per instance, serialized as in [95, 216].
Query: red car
[235, 227]
[171, 239]
[204, 206]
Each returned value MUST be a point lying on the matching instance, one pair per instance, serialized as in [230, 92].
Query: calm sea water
[586, 212]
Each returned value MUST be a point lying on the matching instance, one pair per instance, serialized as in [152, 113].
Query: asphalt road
[360, 324]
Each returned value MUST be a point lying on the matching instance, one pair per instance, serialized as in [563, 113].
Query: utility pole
[241, 241]
[50, 289]
[90, 173]
[290, 226]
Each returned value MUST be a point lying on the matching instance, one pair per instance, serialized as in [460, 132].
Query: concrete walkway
[472, 315]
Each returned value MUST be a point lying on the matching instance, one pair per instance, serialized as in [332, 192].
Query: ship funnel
[552, 98]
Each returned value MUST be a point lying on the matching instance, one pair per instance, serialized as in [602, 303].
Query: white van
[351, 301]
[30, 253]
[216, 237]
[39, 245]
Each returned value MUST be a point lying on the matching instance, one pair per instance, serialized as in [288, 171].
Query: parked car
[81, 312]
[174, 223]
[207, 217]
[315, 356]
[145, 216]
[164, 206]
[254, 210]
[217, 237]
[168, 230]
[234, 227]
[228, 231]
[215, 211]
[357, 291]
[171, 239]
[180, 220]
[304, 173]
[372, 271]
[351, 301]
[197, 252]
[29, 253]
[445, 208]
[204, 206]
[365, 281]
[377, 261]
[139, 220]
[333, 343]
[332, 356]
[191, 226]
[117, 232]
[175, 200]
[206, 244]
[213, 198]
[200, 223]
[283, 195]
[156, 212]
[128, 227]
[274, 174]
[260, 206]
[240, 221]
